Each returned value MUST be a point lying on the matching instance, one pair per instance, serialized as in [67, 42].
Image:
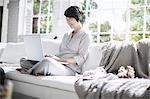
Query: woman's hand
[53, 56]
[68, 60]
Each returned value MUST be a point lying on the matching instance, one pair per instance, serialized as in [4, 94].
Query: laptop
[33, 47]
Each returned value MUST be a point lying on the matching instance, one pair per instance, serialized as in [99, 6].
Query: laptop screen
[33, 47]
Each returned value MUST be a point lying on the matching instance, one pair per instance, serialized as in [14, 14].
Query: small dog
[131, 72]
[122, 72]
[127, 72]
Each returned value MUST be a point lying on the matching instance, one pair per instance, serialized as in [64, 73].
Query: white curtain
[59, 23]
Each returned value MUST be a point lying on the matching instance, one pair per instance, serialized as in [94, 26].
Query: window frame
[128, 32]
[39, 17]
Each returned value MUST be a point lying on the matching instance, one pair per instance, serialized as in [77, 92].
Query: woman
[73, 50]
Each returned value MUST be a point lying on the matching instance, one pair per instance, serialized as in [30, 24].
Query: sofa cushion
[94, 58]
[13, 52]
[59, 82]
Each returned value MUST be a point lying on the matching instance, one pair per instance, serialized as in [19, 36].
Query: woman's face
[71, 22]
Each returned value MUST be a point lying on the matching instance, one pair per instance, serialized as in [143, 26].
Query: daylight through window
[117, 19]
[42, 16]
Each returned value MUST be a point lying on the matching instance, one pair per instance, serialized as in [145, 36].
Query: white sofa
[43, 87]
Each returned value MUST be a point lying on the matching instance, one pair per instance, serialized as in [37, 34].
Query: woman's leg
[51, 66]
[26, 64]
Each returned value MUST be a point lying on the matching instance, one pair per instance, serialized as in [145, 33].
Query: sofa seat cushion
[58, 82]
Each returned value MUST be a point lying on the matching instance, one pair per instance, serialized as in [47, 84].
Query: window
[117, 19]
[42, 16]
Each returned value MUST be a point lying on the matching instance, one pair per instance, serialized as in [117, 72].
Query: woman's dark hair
[75, 12]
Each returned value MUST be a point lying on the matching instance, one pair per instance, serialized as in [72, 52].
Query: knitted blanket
[98, 84]
[104, 84]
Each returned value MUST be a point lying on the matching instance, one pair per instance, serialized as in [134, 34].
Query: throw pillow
[13, 52]
[94, 58]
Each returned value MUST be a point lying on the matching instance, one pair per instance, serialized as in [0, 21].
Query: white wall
[13, 8]
[16, 19]
[4, 3]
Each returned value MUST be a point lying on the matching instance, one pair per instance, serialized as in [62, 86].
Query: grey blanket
[98, 84]
[127, 53]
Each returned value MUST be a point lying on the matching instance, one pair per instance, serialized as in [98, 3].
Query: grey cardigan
[77, 47]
